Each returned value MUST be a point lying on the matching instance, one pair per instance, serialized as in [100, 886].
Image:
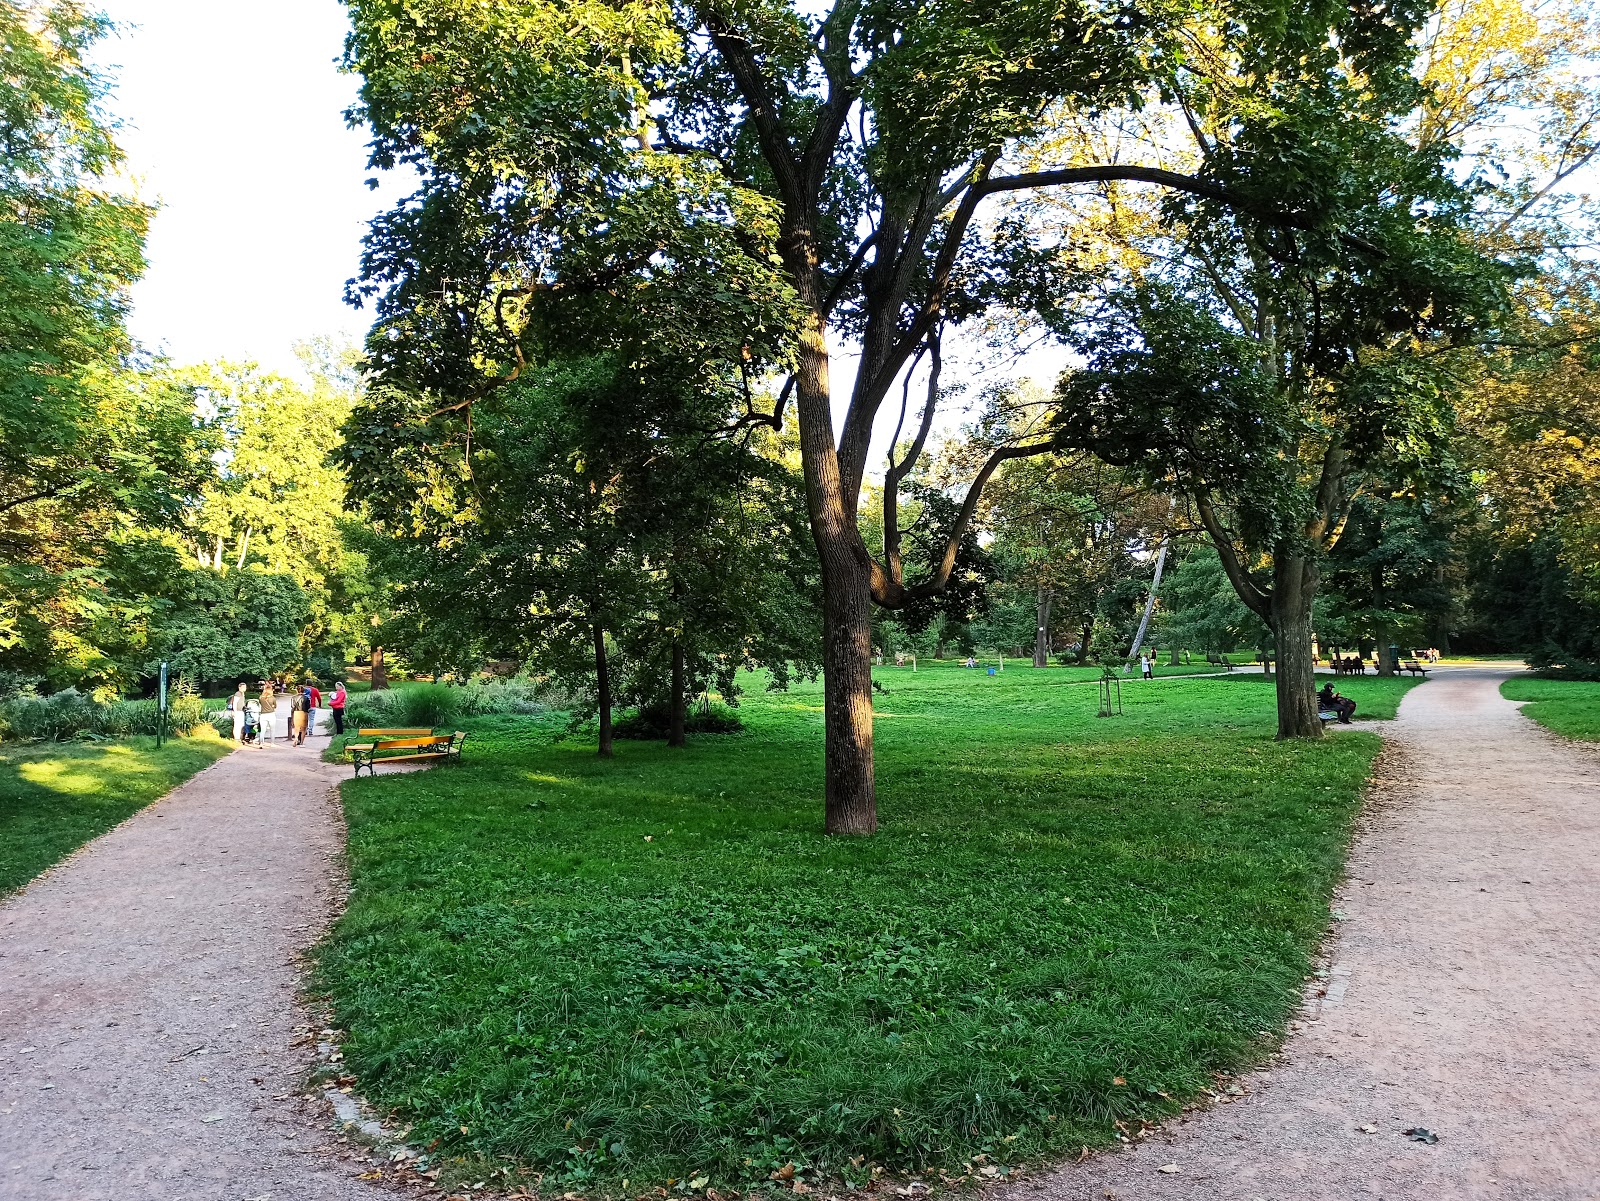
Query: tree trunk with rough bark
[602, 688]
[1294, 586]
[1083, 643]
[675, 722]
[852, 806]
[380, 673]
[1041, 640]
[850, 797]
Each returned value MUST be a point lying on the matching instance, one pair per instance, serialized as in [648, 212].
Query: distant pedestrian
[315, 699]
[297, 716]
[1144, 666]
[269, 713]
[236, 708]
[337, 703]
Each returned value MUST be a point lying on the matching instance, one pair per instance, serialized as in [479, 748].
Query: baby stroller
[251, 734]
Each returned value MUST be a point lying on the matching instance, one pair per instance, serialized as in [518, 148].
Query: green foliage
[1200, 610]
[1527, 597]
[70, 714]
[653, 722]
[89, 450]
[242, 625]
[652, 967]
[1571, 708]
[55, 798]
[436, 704]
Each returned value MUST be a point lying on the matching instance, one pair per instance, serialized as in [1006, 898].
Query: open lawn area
[56, 796]
[658, 968]
[1569, 707]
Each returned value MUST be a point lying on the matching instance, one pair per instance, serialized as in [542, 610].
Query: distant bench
[399, 745]
[1414, 667]
[1221, 661]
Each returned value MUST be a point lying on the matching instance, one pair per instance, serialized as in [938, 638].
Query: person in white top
[1144, 666]
[236, 708]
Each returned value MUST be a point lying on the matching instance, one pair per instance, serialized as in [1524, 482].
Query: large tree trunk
[1083, 643]
[852, 806]
[602, 688]
[675, 723]
[850, 799]
[1294, 586]
[1041, 638]
[380, 673]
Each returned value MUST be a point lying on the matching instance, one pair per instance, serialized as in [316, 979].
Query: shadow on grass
[54, 797]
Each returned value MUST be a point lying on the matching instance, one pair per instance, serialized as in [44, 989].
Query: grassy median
[657, 968]
[1568, 707]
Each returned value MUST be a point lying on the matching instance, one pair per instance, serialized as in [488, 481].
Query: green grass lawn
[54, 797]
[1569, 707]
[657, 967]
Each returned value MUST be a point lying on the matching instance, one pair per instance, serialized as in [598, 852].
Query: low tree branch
[1259, 601]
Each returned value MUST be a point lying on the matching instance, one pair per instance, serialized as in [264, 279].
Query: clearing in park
[653, 967]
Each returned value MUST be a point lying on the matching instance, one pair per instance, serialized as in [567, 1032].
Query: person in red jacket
[336, 703]
[316, 703]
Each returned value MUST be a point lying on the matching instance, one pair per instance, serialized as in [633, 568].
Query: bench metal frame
[369, 755]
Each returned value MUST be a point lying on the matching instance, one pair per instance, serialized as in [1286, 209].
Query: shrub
[651, 722]
[60, 715]
[70, 714]
[427, 705]
[438, 704]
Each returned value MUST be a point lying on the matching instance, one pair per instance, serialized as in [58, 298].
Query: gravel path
[148, 1007]
[1461, 996]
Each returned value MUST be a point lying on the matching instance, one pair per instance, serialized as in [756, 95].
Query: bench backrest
[404, 732]
[406, 744]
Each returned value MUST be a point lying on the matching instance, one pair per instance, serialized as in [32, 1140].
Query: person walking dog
[336, 702]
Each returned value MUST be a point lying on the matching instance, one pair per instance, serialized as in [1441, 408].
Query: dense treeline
[1334, 355]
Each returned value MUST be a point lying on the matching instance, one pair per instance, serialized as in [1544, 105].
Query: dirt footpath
[1462, 996]
[148, 998]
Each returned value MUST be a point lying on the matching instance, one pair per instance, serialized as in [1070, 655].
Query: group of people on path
[283, 709]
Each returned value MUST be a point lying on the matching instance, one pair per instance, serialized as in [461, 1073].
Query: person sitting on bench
[1330, 701]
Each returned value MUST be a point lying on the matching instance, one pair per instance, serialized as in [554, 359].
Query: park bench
[426, 745]
[1414, 667]
[1221, 661]
[1350, 667]
[1325, 716]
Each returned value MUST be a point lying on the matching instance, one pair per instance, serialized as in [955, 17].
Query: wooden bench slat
[427, 746]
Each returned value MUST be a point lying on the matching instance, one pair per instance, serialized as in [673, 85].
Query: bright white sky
[233, 123]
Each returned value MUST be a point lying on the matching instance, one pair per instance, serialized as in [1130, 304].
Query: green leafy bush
[438, 704]
[651, 722]
[70, 714]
